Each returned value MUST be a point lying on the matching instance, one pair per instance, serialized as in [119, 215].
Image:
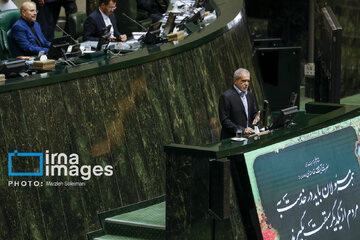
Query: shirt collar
[240, 92]
[30, 24]
[103, 15]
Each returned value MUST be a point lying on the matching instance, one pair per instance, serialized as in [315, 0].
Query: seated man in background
[155, 8]
[238, 109]
[99, 19]
[26, 38]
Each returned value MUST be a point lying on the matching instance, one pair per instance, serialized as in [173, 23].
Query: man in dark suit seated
[26, 38]
[101, 18]
[155, 8]
[238, 109]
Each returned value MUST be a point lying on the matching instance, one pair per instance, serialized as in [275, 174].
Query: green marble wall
[121, 118]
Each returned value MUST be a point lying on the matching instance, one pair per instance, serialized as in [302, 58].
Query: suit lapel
[112, 19]
[238, 99]
[101, 19]
[25, 24]
[248, 101]
[37, 32]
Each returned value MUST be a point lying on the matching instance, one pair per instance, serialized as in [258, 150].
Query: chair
[142, 17]
[129, 7]
[7, 19]
[76, 25]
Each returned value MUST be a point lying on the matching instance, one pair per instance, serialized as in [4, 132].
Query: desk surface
[228, 16]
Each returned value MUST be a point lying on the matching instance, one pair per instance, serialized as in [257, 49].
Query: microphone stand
[66, 60]
[149, 38]
[75, 41]
[265, 114]
[134, 21]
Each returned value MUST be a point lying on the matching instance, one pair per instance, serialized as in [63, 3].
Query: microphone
[265, 113]
[293, 98]
[134, 21]
[75, 41]
[106, 31]
[150, 37]
[104, 39]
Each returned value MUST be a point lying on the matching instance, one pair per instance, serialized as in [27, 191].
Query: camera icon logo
[22, 162]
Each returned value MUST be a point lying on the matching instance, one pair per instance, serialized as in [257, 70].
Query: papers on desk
[179, 19]
[88, 51]
[137, 35]
[131, 45]
[183, 2]
[119, 45]
[86, 46]
[238, 139]
[182, 6]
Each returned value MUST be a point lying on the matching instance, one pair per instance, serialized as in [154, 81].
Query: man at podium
[238, 110]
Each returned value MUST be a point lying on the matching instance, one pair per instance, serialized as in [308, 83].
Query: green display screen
[308, 187]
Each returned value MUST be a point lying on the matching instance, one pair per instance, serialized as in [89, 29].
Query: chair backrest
[129, 7]
[76, 25]
[7, 19]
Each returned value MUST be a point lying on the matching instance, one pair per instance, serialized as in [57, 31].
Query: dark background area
[288, 20]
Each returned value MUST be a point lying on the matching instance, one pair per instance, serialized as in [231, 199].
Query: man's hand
[248, 130]
[112, 39]
[123, 37]
[257, 118]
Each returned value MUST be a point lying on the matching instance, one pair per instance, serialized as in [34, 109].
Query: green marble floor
[350, 100]
[149, 217]
[115, 237]
[143, 223]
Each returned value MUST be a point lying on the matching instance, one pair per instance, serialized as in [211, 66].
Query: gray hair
[241, 71]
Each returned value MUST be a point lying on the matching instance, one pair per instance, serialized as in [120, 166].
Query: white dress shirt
[244, 101]
[107, 23]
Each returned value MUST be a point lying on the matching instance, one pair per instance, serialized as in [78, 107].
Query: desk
[143, 56]
[189, 174]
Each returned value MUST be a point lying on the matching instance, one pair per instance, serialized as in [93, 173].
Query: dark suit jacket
[94, 24]
[155, 8]
[22, 40]
[232, 112]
